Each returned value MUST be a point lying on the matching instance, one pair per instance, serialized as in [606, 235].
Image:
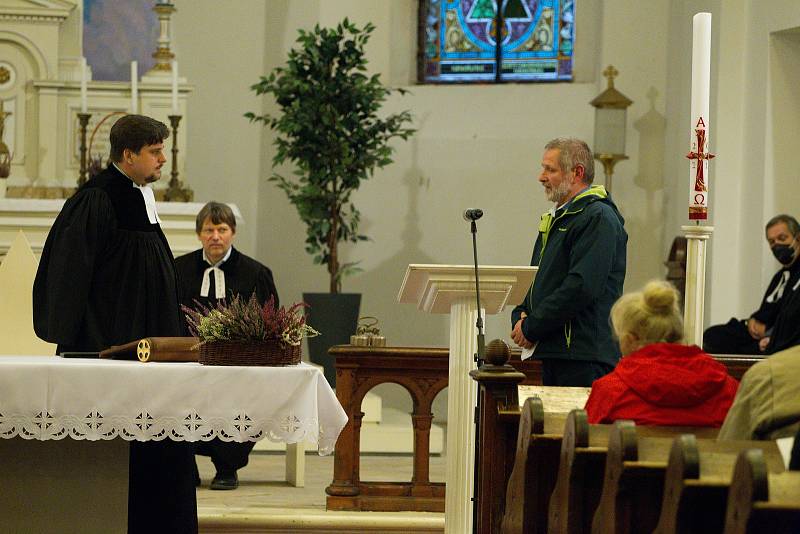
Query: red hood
[671, 375]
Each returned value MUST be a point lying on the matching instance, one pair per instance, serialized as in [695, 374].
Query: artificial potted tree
[329, 129]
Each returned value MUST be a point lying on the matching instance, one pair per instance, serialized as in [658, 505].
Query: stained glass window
[458, 40]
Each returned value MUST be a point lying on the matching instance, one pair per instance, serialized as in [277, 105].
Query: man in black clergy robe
[107, 277]
[216, 272]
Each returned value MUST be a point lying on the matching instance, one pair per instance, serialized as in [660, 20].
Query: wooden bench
[698, 479]
[499, 425]
[610, 478]
[580, 475]
[633, 481]
[759, 501]
[535, 469]
[585, 453]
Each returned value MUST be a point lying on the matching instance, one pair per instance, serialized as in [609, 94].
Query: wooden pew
[697, 482]
[585, 453]
[535, 468]
[580, 475]
[499, 418]
[759, 501]
[633, 481]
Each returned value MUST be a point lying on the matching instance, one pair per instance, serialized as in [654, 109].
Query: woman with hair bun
[659, 381]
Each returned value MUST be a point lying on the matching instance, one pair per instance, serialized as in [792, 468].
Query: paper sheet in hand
[785, 446]
[527, 353]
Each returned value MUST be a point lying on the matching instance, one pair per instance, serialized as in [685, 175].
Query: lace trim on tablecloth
[94, 426]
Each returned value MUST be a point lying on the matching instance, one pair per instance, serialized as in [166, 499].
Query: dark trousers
[572, 373]
[730, 338]
[227, 456]
[161, 491]
[794, 459]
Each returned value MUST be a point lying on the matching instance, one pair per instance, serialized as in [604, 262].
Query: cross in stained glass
[486, 10]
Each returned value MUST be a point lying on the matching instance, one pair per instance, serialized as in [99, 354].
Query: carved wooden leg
[422, 450]
[345, 462]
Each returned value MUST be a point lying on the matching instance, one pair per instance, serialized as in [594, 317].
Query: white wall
[635, 40]
[476, 146]
[221, 52]
[755, 108]
[479, 146]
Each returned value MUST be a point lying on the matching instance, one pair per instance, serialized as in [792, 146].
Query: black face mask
[783, 253]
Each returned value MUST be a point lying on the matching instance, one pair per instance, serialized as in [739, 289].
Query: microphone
[473, 214]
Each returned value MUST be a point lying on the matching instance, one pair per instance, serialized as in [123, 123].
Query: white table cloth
[50, 398]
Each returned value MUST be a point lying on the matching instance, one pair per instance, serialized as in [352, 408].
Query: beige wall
[754, 113]
[476, 146]
[221, 52]
[479, 146]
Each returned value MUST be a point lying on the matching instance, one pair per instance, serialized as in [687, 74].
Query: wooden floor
[264, 502]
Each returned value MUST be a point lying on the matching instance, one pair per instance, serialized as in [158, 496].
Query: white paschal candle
[174, 87]
[134, 87]
[701, 89]
[84, 97]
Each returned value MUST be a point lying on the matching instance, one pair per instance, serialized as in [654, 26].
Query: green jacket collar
[593, 193]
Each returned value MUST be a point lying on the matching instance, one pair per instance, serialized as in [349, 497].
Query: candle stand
[83, 119]
[176, 192]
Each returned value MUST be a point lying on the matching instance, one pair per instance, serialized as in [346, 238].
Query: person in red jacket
[659, 381]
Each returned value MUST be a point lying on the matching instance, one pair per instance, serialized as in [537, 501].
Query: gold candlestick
[5, 153]
[163, 55]
[176, 192]
[83, 119]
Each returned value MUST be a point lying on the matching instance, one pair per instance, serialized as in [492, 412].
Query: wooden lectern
[451, 289]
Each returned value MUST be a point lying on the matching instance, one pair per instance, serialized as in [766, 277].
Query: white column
[461, 401]
[694, 299]
[49, 135]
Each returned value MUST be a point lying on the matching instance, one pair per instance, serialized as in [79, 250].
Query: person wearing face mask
[774, 326]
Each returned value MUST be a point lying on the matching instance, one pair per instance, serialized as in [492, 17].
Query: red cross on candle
[700, 156]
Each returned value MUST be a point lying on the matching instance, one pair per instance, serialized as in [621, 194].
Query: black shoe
[225, 481]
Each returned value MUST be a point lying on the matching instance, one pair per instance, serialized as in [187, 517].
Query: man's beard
[559, 193]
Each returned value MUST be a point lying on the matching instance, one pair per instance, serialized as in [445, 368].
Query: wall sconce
[610, 118]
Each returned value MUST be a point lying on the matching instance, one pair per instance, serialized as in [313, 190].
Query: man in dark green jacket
[580, 251]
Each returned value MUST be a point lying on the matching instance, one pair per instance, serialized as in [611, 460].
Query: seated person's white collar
[219, 276]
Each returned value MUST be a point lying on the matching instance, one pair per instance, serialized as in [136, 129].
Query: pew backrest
[580, 475]
[759, 501]
[698, 479]
[534, 473]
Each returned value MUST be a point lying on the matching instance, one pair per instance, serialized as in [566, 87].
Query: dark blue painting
[116, 32]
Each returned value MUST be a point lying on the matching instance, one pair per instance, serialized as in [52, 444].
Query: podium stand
[451, 289]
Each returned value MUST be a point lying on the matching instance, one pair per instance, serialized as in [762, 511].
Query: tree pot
[335, 316]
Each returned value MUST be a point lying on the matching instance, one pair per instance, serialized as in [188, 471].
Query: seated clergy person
[767, 405]
[659, 381]
[755, 335]
[215, 272]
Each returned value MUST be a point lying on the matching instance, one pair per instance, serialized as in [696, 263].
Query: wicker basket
[272, 353]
